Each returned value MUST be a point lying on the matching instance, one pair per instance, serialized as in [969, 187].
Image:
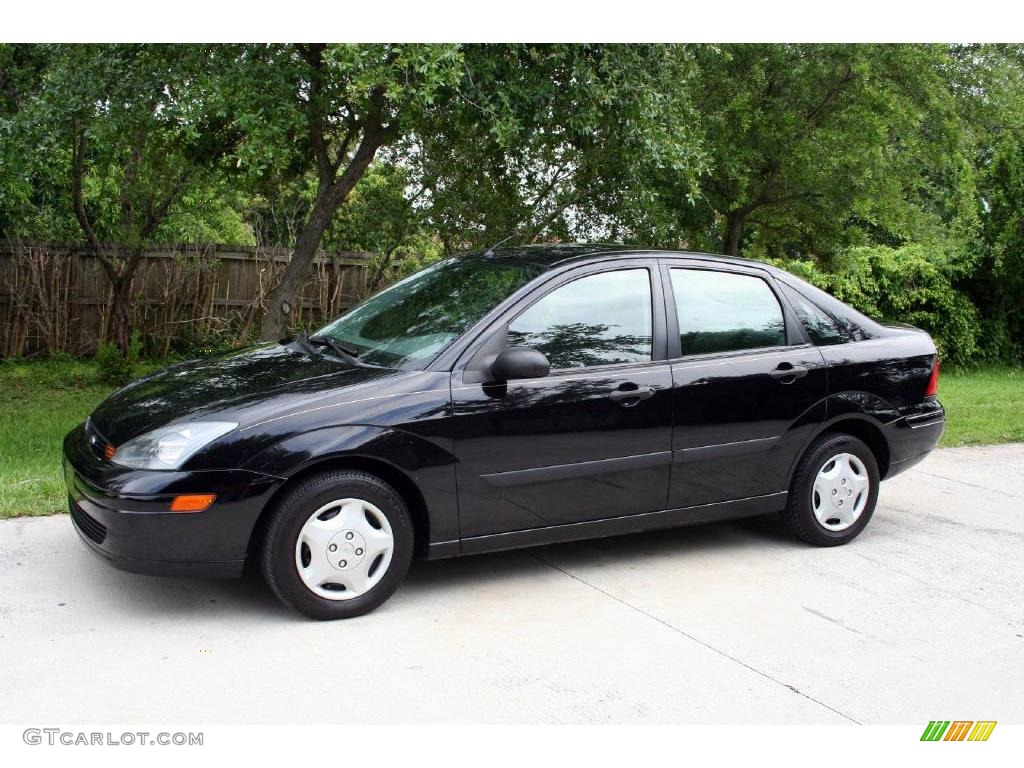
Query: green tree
[811, 147]
[989, 87]
[544, 141]
[327, 110]
[493, 140]
[31, 163]
[382, 217]
[137, 139]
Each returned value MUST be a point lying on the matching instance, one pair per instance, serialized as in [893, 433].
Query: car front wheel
[338, 545]
[834, 491]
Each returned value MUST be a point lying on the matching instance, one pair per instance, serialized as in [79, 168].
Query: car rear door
[591, 440]
[747, 386]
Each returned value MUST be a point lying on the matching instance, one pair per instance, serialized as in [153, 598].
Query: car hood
[242, 386]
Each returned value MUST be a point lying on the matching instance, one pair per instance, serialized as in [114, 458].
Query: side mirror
[520, 363]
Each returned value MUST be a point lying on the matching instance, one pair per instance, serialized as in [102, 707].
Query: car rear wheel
[338, 545]
[834, 491]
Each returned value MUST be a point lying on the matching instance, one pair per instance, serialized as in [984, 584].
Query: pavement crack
[837, 622]
[693, 638]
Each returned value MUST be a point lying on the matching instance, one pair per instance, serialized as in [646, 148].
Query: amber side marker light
[109, 451]
[192, 502]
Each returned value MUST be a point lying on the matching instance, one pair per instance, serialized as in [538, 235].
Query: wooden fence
[55, 298]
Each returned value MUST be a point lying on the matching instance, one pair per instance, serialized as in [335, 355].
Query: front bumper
[124, 515]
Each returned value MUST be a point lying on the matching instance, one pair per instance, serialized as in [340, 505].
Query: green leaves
[915, 284]
[814, 153]
[804, 142]
[151, 131]
[547, 141]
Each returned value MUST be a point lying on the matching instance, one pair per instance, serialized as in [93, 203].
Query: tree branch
[811, 118]
[78, 149]
[131, 172]
[156, 214]
[559, 209]
[314, 56]
[346, 142]
[556, 177]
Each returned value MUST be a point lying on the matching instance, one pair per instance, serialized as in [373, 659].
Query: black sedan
[507, 399]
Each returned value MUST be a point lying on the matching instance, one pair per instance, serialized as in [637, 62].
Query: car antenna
[490, 251]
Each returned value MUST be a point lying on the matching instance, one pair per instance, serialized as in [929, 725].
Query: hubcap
[344, 549]
[840, 492]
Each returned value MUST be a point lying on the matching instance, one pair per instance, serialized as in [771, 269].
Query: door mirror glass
[519, 363]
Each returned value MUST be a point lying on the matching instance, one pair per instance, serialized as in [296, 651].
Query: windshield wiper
[302, 342]
[336, 347]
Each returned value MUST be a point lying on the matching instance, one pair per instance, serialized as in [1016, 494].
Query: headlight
[169, 447]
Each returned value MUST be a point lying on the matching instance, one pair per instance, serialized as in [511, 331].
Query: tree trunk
[119, 274]
[733, 233]
[283, 302]
[117, 327]
[377, 275]
[121, 291]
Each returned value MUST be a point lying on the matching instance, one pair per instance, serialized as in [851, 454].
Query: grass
[40, 401]
[983, 406]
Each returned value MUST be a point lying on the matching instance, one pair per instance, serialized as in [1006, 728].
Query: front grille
[88, 525]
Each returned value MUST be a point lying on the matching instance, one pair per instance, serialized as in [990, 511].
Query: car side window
[595, 320]
[725, 312]
[821, 326]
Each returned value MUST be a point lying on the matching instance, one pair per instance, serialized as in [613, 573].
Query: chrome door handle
[628, 397]
[787, 373]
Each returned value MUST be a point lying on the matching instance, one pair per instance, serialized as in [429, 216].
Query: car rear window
[851, 324]
[821, 326]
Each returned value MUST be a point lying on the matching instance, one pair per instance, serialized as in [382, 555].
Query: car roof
[550, 255]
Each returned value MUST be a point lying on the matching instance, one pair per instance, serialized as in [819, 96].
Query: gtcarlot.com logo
[57, 736]
[958, 730]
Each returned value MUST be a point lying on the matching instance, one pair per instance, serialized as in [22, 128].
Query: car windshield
[416, 318]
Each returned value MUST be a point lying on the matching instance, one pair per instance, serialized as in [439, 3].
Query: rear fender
[869, 411]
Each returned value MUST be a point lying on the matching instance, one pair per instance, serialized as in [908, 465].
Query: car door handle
[787, 373]
[630, 396]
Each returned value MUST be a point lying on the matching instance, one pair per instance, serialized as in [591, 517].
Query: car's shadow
[249, 597]
[630, 549]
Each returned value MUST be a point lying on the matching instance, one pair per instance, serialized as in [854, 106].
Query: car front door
[592, 439]
[748, 388]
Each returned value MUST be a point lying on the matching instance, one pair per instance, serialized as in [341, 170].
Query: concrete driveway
[922, 617]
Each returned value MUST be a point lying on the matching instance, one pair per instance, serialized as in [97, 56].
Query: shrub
[219, 334]
[912, 284]
[115, 368]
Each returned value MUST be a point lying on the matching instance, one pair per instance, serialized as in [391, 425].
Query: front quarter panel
[408, 428]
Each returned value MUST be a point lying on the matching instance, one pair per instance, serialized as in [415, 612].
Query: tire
[338, 545]
[828, 503]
